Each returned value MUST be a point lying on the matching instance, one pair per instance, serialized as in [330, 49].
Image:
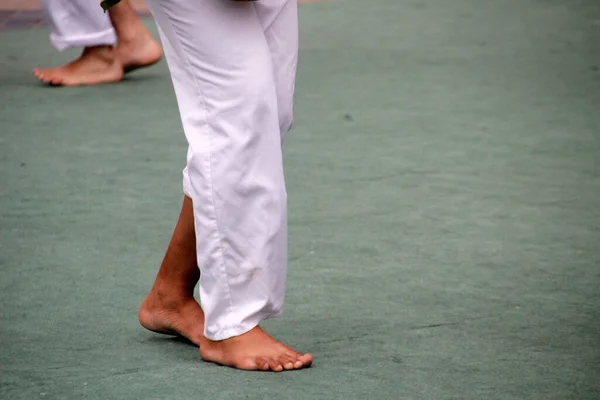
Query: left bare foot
[95, 66]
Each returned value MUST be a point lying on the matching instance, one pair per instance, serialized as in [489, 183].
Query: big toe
[39, 75]
[306, 360]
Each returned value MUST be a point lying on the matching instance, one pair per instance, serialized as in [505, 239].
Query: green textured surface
[444, 181]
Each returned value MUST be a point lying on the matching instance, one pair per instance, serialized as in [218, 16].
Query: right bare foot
[95, 66]
[254, 350]
[138, 49]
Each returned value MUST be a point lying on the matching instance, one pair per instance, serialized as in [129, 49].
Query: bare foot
[95, 66]
[178, 315]
[254, 350]
[136, 46]
[170, 308]
[138, 51]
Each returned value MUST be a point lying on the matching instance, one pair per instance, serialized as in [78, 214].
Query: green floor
[444, 184]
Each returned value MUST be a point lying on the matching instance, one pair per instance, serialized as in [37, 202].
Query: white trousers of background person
[233, 67]
[78, 23]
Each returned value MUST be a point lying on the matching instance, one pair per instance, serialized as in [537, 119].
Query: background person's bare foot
[95, 66]
[254, 350]
[136, 47]
[138, 51]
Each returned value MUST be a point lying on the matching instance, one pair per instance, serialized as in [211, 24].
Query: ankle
[171, 294]
[130, 32]
[176, 284]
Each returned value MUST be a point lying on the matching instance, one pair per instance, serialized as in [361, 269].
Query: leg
[77, 23]
[223, 77]
[170, 308]
[83, 23]
[136, 47]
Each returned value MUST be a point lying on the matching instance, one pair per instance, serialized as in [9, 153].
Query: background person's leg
[83, 23]
[78, 23]
[136, 48]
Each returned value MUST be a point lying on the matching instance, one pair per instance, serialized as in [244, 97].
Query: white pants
[233, 66]
[77, 23]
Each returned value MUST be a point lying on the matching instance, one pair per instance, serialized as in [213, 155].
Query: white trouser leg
[280, 24]
[223, 73]
[75, 23]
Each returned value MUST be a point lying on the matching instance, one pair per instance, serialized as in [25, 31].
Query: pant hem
[238, 330]
[103, 38]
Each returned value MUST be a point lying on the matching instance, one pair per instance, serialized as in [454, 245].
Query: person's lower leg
[235, 176]
[179, 269]
[136, 48]
[125, 20]
[170, 308]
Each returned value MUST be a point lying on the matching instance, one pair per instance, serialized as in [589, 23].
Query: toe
[275, 365]
[306, 360]
[300, 360]
[286, 362]
[262, 364]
